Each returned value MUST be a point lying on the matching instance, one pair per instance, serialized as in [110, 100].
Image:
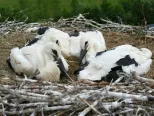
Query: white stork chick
[30, 60]
[91, 42]
[128, 58]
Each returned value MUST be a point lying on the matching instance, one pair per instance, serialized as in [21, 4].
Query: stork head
[54, 51]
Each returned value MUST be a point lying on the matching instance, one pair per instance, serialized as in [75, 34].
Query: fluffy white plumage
[75, 46]
[34, 54]
[40, 58]
[52, 35]
[50, 71]
[48, 53]
[19, 62]
[96, 43]
[46, 74]
[101, 65]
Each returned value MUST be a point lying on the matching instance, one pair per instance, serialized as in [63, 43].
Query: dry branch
[143, 79]
[79, 22]
[30, 110]
[86, 110]
[54, 96]
[147, 36]
[91, 106]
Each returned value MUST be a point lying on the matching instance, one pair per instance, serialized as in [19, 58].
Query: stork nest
[19, 95]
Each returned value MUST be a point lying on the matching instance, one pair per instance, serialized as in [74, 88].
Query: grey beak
[62, 69]
[82, 55]
[60, 64]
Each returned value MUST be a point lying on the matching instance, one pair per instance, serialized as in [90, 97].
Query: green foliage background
[127, 11]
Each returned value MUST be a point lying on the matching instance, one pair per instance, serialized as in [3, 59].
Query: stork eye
[57, 42]
[86, 43]
[55, 52]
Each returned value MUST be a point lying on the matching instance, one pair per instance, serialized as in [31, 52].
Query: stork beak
[62, 68]
[76, 72]
[82, 55]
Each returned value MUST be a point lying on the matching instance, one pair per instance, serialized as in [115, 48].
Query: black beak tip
[76, 72]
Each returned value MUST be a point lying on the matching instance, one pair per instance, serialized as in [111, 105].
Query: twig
[31, 110]
[86, 110]
[144, 79]
[141, 109]
[92, 107]
[148, 36]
